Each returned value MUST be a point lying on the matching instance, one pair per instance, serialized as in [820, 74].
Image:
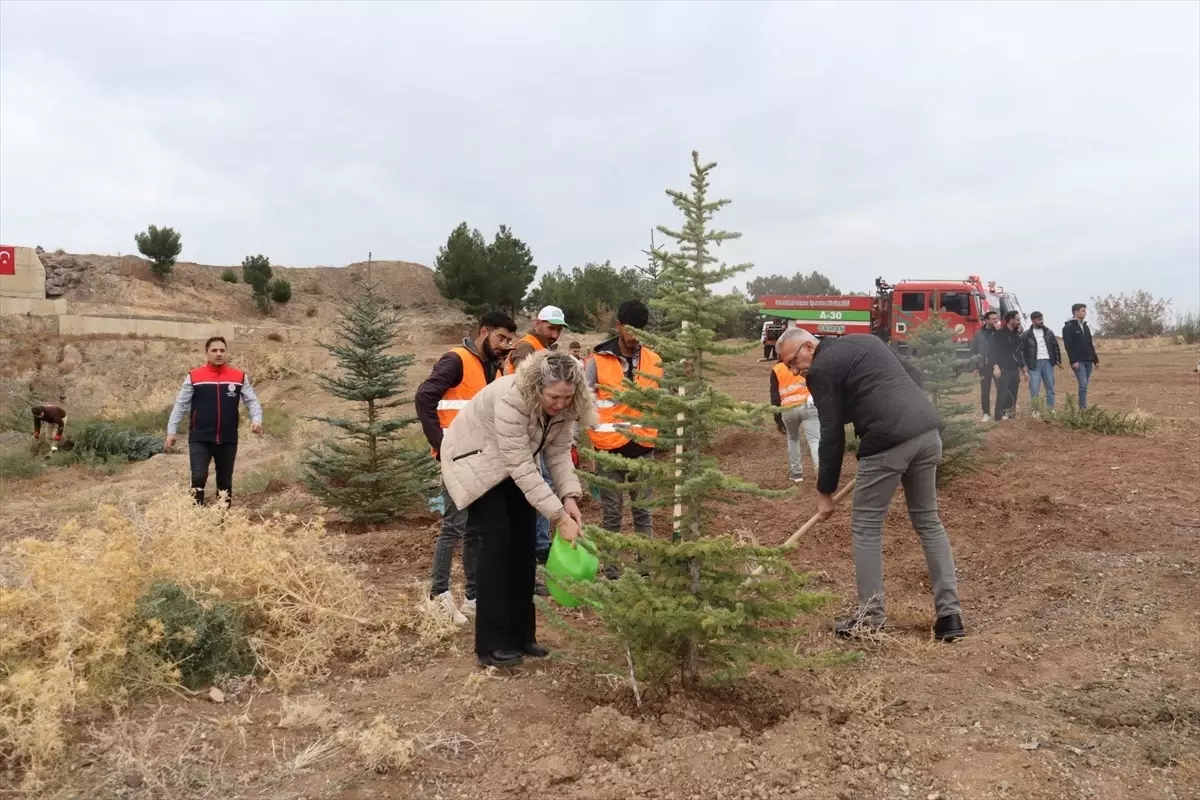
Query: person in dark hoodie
[458, 376]
[1008, 362]
[1081, 353]
[1040, 347]
[981, 348]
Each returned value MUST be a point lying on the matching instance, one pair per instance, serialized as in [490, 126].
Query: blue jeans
[1042, 373]
[1083, 374]
[542, 545]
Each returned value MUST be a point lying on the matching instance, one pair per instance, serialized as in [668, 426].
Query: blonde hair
[547, 367]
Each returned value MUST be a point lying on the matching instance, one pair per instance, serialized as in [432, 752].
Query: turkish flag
[8, 260]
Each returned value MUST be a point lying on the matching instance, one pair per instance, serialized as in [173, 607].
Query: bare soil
[1079, 569]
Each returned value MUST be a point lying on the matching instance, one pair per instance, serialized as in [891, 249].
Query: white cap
[554, 315]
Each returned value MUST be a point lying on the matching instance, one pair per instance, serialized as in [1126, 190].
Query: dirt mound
[100, 284]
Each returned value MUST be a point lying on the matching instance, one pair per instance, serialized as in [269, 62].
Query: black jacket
[1007, 353]
[445, 375]
[1029, 342]
[858, 379]
[1077, 341]
[981, 348]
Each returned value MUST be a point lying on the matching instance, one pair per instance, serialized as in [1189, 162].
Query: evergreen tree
[162, 246]
[483, 276]
[104, 440]
[936, 356]
[369, 474]
[256, 271]
[687, 608]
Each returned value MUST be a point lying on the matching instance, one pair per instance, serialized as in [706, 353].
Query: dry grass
[312, 711]
[380, 746]
[64, 640]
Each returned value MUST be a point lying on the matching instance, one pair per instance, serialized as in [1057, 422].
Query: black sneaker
[855, 628]
[948, 628]
[535, 650]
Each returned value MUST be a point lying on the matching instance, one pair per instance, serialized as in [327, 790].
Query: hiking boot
[468, 607]
[501, 658]
[949, 628]
[446, 601]
[855, 628]
[535, 650]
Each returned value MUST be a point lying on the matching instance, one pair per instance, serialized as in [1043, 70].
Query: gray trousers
[453, 534]
[801, 422]
[914, 464]
[612, 504]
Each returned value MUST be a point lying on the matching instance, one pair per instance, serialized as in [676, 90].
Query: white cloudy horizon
[1052, 147]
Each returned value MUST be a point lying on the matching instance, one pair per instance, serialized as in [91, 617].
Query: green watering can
[565, 562]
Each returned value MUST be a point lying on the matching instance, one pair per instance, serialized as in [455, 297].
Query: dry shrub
[63, 623]
[274, 364]
[312, 711]
[380, 746]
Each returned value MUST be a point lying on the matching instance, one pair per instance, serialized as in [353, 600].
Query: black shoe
[540, 589]
[948, 628]
[535, 650]
[855, 627]
[501, 658]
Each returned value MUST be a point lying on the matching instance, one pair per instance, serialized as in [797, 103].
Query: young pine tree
[368, 474]
[686, 607]
[935, 355]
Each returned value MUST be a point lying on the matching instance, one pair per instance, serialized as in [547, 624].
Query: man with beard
[1008, 360]
[1041, 357]
[981, 348]
[547, 327]
[457, 377]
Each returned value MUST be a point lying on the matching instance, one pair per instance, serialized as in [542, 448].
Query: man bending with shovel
[858, 379]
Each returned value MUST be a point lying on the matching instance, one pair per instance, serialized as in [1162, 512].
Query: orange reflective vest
[532, 339]
[793, 389]
[610, 432]
[456, 397]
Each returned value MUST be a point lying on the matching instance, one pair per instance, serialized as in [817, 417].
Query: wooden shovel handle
[837, 498]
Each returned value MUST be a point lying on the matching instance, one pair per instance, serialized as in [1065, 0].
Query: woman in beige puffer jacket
[489, 466]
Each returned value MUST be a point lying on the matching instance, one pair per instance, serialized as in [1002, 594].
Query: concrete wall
[79, 325]
[29, 280]
[28, 306]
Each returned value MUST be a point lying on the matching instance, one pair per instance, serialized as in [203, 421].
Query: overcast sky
[1052, 147]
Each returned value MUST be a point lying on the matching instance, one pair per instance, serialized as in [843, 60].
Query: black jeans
[503, 522]
[1007, 386]
[986, 378]
[222, 456]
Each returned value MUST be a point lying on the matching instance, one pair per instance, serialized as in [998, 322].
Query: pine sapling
[683, 606]
[368, 474]
[936, 356]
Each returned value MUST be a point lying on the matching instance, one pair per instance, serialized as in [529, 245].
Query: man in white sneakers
[458, 376]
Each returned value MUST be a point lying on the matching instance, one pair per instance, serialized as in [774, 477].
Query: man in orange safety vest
[798, 417]
[611, 363]
[458, 376]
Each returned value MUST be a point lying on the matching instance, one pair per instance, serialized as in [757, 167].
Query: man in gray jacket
[858, 379]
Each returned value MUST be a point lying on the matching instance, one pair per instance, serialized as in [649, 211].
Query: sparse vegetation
[281, 290]
[1187, 327]
[368, 474]
[20, 463]
[1138, 314]
[1095, 419]
[683, 607]
[162, 246]
[72, 641]
[229, 276]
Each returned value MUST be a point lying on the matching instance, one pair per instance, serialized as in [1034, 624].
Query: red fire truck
[894, 310]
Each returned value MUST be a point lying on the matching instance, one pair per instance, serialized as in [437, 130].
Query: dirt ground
[1079, 570]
